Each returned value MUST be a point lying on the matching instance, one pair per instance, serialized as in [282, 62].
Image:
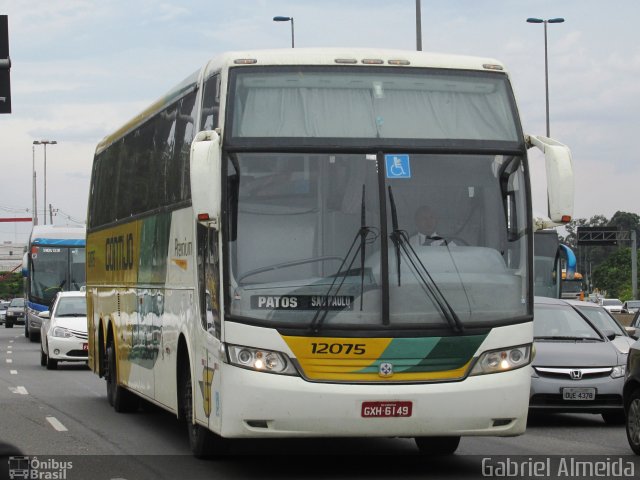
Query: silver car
[577, 368]
[603, 320]
[631, 306]
[4, 306]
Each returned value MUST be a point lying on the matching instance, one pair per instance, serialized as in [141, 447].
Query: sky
[81, 69]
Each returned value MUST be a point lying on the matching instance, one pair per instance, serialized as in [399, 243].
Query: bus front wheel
[437, 445]
[203, 442]
[121, 399]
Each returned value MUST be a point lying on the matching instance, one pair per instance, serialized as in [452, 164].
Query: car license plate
[386, 409]
[578, 393]
[85, 347]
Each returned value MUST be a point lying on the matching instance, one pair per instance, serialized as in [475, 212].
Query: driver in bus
[426, 223]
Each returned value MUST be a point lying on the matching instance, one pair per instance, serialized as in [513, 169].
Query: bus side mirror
[205, 177]
[25, 265]
[559, 167]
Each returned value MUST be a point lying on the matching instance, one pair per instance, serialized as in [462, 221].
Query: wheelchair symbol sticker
[398, 166]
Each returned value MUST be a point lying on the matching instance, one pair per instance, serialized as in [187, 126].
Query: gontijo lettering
[119, 252]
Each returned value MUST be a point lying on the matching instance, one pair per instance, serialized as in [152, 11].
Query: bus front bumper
[254, 404]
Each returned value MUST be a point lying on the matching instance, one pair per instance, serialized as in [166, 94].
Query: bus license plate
[578, 393]
[386, 409]
[85, 347]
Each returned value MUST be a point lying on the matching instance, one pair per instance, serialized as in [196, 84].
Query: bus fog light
[56, 351]
[260, 360]
[502, 360]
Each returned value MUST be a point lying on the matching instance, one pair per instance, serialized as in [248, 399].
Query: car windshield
[635, 304]
[602, 319]
[561, 322]
[71, 307]
[611, 302]
[17, 302]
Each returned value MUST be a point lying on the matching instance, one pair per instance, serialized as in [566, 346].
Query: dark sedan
[632, 398]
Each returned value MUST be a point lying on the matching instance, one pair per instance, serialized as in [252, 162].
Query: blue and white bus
[54, 262]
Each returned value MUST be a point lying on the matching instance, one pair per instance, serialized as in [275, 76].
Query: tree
[614, 275]
[11, 285]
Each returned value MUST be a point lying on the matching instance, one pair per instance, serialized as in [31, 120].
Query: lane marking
[19, 390]
[9, 360]
[10, 341]
[55, 423]
[13, 372]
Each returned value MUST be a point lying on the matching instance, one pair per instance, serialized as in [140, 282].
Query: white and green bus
[254, 264]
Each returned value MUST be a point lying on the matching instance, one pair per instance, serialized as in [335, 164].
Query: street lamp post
[34, 203]
[546, 62]
[45, 143]
[287, 19]
[418, 26]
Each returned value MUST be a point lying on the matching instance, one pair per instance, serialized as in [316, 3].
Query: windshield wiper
[322, 311]
[401, 241]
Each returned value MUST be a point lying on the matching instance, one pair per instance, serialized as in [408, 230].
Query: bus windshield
[305, 229]
[381, 103]
[306, 235]
[55, 268]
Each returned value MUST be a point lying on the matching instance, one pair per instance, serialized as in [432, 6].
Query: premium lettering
[183, 249]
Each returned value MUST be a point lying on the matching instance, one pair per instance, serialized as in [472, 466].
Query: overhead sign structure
[5, 66]
[602, 236]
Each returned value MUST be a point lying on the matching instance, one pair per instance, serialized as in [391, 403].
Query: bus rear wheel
[121, 399]
[203, 442]
[437, 445]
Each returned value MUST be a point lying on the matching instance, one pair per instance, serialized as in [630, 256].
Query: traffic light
[5, 66]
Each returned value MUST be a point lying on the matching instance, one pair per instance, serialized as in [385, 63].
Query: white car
[63, 335]
[613, 305]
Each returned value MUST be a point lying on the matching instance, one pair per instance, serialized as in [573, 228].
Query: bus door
[207, 371]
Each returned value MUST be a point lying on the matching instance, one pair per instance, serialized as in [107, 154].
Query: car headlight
[502, 360]
[618, 371]
[61, 332]
[260, 360]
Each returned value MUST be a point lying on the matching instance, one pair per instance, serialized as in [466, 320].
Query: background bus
[258, 271]
[54, 262]
[573, 288]
[550, 258]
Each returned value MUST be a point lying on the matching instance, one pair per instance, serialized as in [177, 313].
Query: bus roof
[53, 234]
[352, 56]
[307, 56]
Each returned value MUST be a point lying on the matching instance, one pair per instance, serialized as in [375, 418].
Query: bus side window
[210, 103]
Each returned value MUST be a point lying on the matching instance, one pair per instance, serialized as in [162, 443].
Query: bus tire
[437, 445]
[203, 442]
[121, 399]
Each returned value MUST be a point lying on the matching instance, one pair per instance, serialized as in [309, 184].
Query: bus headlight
[260, 360]
[502, 360]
